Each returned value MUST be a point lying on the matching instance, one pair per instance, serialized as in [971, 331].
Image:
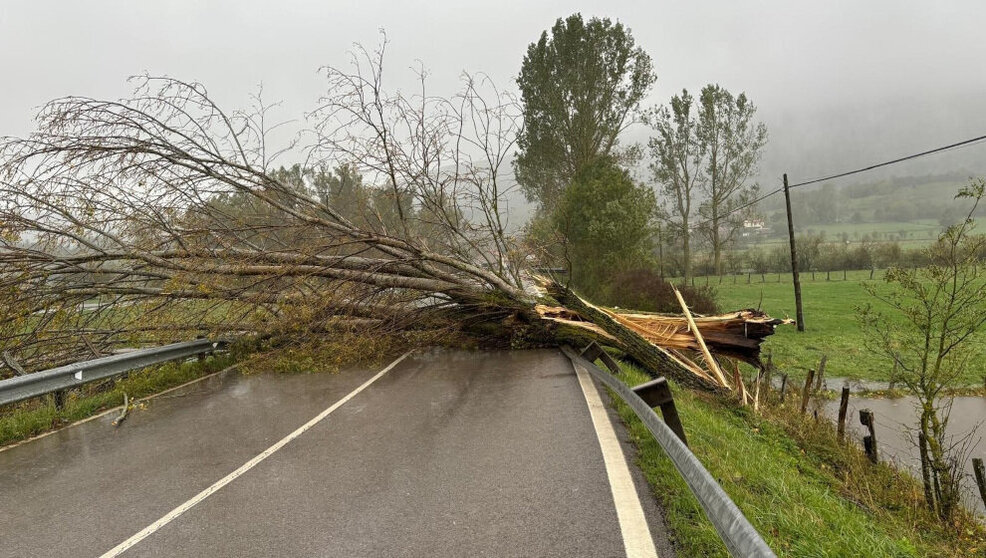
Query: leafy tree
[579, 86]
[607, 221]
[343, 190]
[941, 307]
[808, 251]
[677, 160]
[733, 145]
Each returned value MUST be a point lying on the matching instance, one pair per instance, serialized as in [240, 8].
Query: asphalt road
[448, 453]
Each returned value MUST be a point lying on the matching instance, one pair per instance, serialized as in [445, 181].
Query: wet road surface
[450, 453]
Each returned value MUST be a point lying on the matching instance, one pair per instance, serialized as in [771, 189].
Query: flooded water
[896, 420]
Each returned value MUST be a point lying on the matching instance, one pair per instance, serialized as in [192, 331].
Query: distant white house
[753, 227]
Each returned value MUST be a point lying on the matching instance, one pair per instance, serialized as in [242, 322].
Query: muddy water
[896, 420]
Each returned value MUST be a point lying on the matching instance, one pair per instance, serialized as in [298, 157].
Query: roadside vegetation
[803, 490]
[39, 415]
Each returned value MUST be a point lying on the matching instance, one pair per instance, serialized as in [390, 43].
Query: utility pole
[794, 259]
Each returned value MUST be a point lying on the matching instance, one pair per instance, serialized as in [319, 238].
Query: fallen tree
[161, 217]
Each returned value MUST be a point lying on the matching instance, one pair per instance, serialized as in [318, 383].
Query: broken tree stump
[655, 360]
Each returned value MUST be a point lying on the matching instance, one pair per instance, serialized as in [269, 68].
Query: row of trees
[813, 256]
[705, 156]
[581, 86]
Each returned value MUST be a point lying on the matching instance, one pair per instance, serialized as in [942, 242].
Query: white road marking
[637, 540]
[175, 513]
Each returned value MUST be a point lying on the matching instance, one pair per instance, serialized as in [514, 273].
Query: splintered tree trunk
[655, 360]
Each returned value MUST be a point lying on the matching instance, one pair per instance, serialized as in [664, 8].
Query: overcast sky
[839, 83]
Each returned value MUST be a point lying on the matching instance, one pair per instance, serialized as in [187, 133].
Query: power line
[847, 173]
[893, 162]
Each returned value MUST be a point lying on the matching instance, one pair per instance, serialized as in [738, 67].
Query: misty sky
[839, 83]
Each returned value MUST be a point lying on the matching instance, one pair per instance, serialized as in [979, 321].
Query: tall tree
[579, 86]
[677, 164]
[733, 145]
[607, 220]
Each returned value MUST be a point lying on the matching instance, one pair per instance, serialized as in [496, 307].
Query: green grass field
[832, 326]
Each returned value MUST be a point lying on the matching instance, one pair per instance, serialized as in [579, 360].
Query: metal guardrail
[741, 539]
[76, 374]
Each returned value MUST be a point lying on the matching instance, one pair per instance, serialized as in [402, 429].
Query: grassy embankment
[37, 416]
[806, 493]
[832, 327]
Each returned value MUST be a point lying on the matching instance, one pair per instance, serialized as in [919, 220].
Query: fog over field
[839, 84]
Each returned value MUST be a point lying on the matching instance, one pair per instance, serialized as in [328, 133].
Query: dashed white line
[637, 540]
[175, 513]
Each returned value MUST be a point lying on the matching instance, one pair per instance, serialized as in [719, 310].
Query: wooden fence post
[806, 393]
[738, 382]
[783, 386]
[843, 408]
[869, 442]
[768, 372]
[821, 373]
[977, 467]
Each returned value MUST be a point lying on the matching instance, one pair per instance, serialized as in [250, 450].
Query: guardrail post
[593, 351]
[59, 399]
[657, 393]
